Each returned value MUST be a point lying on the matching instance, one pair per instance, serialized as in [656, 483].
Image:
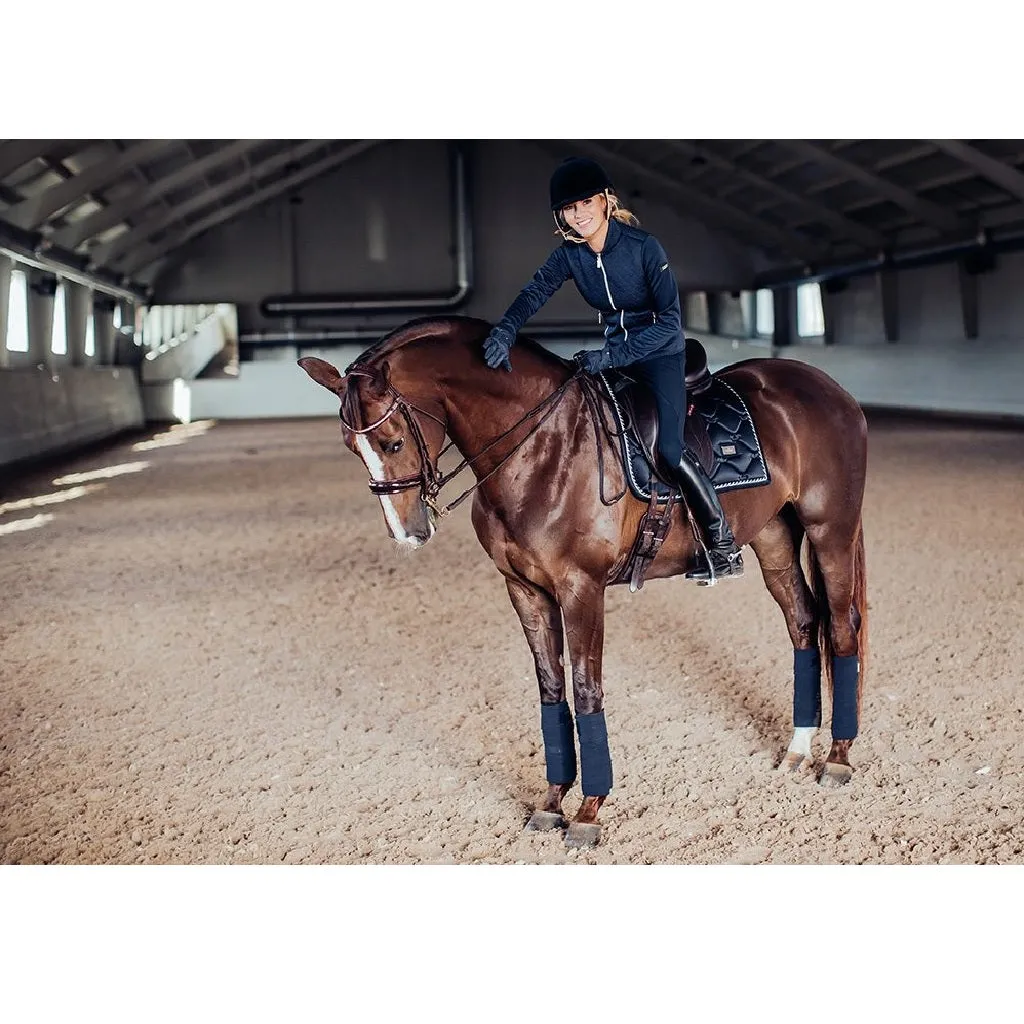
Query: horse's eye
[393, 447]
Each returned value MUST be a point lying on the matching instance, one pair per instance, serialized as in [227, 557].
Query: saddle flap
[637, 407]
[719, 430]
[640, 411]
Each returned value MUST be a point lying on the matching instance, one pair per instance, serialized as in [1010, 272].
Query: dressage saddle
[719, 430]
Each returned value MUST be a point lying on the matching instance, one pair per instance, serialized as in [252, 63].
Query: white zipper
[622, 312]
[600, 266]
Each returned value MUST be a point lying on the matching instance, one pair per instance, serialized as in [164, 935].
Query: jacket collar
[613, 236]
[614, 233]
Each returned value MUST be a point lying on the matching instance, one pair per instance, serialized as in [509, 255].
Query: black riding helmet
[577, 178]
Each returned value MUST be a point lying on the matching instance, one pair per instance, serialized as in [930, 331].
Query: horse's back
[813, 432]
[799, 388]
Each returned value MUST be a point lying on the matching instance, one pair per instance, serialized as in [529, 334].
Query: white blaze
[376, 468]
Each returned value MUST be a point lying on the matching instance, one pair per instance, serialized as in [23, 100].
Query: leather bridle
[430, 479]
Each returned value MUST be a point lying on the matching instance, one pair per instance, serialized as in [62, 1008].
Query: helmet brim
[576, 198]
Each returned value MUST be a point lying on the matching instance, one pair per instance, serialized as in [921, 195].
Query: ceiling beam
[750, 229]
[15, 153]
[896, 160]
[904, 156]
[850, 228]
[143, 258]
[996, 171]
[33, 212]
[1003, 215]
[73, 235]
[143, 231]
[931, 213]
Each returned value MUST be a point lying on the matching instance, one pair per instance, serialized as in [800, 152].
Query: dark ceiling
[121, 208]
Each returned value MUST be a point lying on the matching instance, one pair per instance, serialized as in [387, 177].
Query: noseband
[430, 479]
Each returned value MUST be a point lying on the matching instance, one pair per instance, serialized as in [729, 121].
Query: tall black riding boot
[725, 557]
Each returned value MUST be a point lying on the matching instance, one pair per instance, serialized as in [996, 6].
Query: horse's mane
[426, 327]
[415, 330]
[420, 329]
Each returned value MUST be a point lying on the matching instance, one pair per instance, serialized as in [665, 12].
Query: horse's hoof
[544, 821]
[835, 775]
[793, 763]
[582, 835]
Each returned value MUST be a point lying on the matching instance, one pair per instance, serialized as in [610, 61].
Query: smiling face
[587, 217]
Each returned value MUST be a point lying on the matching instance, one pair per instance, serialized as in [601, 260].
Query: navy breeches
[666, 377]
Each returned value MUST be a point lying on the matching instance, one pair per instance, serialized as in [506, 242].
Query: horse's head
[398, 440]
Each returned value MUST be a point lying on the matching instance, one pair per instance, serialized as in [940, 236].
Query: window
[810, 316]
[59, 334]
[764, 313]
[166, 314]
[17, 313]
[90, 334]
[151, 324]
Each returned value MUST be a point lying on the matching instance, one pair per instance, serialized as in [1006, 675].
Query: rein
[598, 412]
[430, 480]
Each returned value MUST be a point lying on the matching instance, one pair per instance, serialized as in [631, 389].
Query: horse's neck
[476, 421]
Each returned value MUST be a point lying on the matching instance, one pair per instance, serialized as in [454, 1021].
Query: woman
[623, 273]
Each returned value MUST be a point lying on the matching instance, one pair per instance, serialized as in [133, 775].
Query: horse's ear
[322, 372]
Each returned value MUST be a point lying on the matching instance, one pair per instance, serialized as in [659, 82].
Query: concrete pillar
[968, 301]
[77, 308]
[103, 329]
[696, 315]
[889, 290]
[6, 266]
[983, 261]
[748, 304]
[41, 289]
[126, 352]
[730, 319]
[785, 299]
[830, 292]
[123, 340]
[714, 312]
[127, 315]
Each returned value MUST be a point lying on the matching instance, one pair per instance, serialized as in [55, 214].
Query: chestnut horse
[542, 511]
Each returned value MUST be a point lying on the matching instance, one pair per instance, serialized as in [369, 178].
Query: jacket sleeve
[545, 282]
[661, 282]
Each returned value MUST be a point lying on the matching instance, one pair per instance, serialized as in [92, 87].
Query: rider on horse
[623, 273]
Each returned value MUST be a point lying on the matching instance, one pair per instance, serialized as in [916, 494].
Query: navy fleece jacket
[630, 282]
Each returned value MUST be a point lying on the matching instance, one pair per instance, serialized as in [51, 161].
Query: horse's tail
[860, 608]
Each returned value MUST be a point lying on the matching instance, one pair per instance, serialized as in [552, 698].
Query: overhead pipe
[332, 305]
[983, 244]
[33, 250]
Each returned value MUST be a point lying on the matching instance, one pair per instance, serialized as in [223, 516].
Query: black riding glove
[593, 360]
[496, 349]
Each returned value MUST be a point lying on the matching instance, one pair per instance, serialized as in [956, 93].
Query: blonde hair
[620, 213]
[615, 209]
